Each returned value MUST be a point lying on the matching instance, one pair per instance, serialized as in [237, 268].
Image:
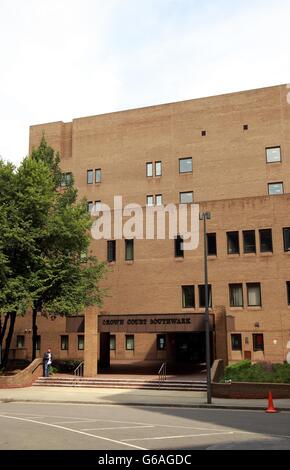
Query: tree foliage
[44, 242]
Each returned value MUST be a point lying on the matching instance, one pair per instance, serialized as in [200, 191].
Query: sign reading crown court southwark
[152, 323]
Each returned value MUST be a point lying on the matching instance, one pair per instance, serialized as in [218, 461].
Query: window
[38, 343]
[111, 245]
[258, 342]
[90, 176]
[203, 133]
[158, 169]
[288, 292]
[211, 244]
[236, 295]
[237, 342]
[254, 295]
[98, 175]
[249, 241]
[246, 127]
[20, 342]
[233, 243]
[159, 200]
[149, 170]
[66, 179]
[112, 342]
[178, 242]
[90, 206]
[150, 201]
[129, 250]
[130, 342]
[64, 342]
[161, 343]
[185, 165]
[201, 290]
[273, 155]
[186, 198]
[81, 342]
[98, 206]
[286, 239]
[188, 298]
[275, 189]
[266, 242]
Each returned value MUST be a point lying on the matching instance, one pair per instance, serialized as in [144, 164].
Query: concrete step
[120, 383]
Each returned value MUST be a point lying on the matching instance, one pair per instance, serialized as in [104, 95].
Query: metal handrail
[79, 371]
[162, 374]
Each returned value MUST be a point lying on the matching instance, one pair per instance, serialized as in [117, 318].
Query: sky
[64, 59]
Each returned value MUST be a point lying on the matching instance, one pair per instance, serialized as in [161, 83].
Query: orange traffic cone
[271, 408]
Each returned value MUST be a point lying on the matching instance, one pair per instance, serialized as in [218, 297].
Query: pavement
[63, 426]
[101, 396]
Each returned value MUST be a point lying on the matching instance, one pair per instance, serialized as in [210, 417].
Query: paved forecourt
[27, 426]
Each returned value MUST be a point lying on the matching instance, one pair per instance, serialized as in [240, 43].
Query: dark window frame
[252, 284]
[273, 148]
[276, 183]
[79, 342]
[185, 160]
[201, 296]
[149, 164]
[128, 245]
[159, 347]
[151, 196]
[66, 341]
[249, 247]
[38, 343]
[288, 292]
[157, 174]
[90, 172]
[178, 247]
[113, 339]
[98, 171]
[212, 236]
[183, 193]
[111, 251]
[267, 242]
[286, 229]
[237, 346]
[184, 298]
[238, 252]
[22, 341]
[127, 338]
[258, 346]
[240, 285]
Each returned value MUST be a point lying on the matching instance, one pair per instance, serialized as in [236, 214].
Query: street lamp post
[207, 216]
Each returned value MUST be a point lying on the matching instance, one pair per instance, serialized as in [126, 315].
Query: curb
[146, 405]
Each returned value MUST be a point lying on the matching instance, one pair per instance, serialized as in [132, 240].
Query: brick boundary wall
[24, 378]
[244, 390]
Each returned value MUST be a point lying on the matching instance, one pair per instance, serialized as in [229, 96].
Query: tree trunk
[2, 334]
[12, 317]
[34, 332]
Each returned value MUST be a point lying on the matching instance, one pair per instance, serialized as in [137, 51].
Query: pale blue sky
[63, 59]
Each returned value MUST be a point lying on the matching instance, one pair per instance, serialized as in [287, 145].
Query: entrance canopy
[153, 323]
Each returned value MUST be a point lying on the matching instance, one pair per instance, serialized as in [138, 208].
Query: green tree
[45, 262]
[15, 241]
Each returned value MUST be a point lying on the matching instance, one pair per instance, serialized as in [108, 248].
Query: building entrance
[190, 348]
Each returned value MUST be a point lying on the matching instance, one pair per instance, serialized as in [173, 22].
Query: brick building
[231, 155]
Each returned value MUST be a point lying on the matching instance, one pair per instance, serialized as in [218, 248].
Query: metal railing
[162, 374]
[79, 371]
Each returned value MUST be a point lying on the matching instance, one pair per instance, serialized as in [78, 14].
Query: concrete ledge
[24, 378]
[250, 390]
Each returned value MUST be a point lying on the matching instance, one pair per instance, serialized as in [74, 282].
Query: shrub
[66, 366]
[262, 372]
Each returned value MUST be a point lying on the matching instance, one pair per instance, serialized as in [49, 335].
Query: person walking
[47, 361]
